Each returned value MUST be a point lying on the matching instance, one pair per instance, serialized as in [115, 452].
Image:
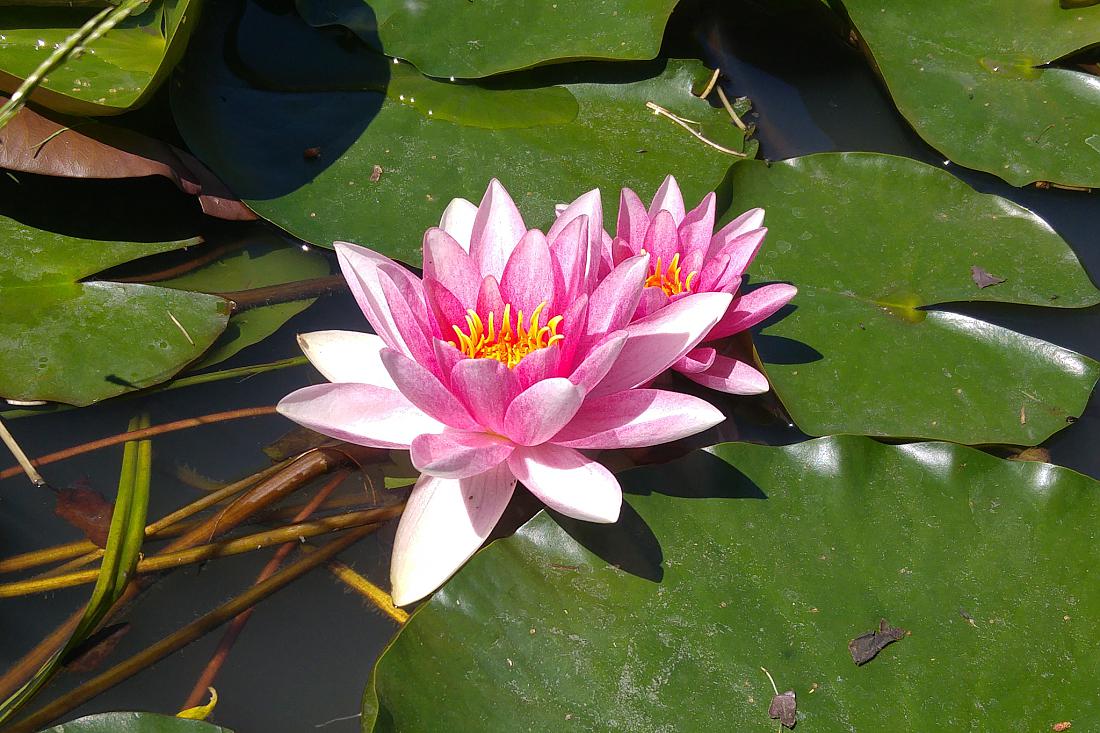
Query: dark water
[306, 655]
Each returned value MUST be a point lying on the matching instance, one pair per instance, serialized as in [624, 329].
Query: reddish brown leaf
[865, 647]
[87, 510]
[77, 148]
[783, 708]
[983, 279]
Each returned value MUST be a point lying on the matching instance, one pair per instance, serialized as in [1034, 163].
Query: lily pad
[982, 82]
[117, 72]
[268, 260]
[378, 167]
[135, 723]
[465, 39]
[872, 241]
[80, 342]
[749, 556]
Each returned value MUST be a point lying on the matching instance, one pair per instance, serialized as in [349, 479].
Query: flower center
[670, 279]
[507, 344]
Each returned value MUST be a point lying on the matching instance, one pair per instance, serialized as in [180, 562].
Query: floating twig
[659, 110]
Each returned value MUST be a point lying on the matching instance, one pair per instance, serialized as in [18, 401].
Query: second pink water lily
[503, 363]
[688, 258]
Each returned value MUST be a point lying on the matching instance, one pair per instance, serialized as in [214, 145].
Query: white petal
[347, 356]
[568, 482]
[444, 523]
[458, 221]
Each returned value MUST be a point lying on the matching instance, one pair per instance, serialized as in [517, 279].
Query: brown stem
[212, 551]
[95, 445]
[243, 300]
[229, 638]
[182, 268]
[186, 635]
[301, 471]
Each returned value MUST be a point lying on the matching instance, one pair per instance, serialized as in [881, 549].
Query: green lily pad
[465, 39]
[268, 260]
[379, 167]
[81, 342]
[749, 556]
[974, 80]
[872, 240]
[135, 723]
[117, 72]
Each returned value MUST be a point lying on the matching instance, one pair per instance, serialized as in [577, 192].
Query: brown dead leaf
[783, 708]
[54, 145]
[1063, 726]
[1037, 455]
[866, 647]
[87, 510]
[984, 279]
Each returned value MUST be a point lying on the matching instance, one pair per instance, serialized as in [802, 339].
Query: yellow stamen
[670, 280]
[509, 344]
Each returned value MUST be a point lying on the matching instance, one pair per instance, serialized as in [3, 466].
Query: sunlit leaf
[750, 556]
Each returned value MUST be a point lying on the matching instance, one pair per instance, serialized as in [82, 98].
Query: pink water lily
[686, 259]
[506, 361]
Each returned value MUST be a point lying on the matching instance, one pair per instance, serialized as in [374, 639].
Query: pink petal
[347, 356]
[637, 418]
[486, 387]
[598, 361]
[662, 240]
[568, 482]
[412, 325]
[358, 413]
[752, 308]
[659, 340]
[742, 249]
[732, 376]
[668, 198]
[489, 299]
[652, 300]
[569, 249]
[696, 230]
[458, 221]
[589, 206]
[751, 219]
[446, 355]
[447, 263]
[447, 310]
[497, 229]
[697, 360]
[528, 278]
[444, 523]
[633, 220]
[360, 268]
[423, 389]
[712, 271]
[615, 299]
[541, 410]
[537, 366]
[574, 320]
[458, 453]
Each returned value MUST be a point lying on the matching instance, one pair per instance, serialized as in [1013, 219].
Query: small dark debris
[375, 173]
[865, 647]
[87, 510]
[311, 153]
[984, 279]
[968, 617]
[783, 709]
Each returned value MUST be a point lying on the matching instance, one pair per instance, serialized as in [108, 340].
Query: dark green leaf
[374, 167]
[872, 240]
[80, 342]
[135, 723]
[978, 81]
[474, 39]
[750, 556]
